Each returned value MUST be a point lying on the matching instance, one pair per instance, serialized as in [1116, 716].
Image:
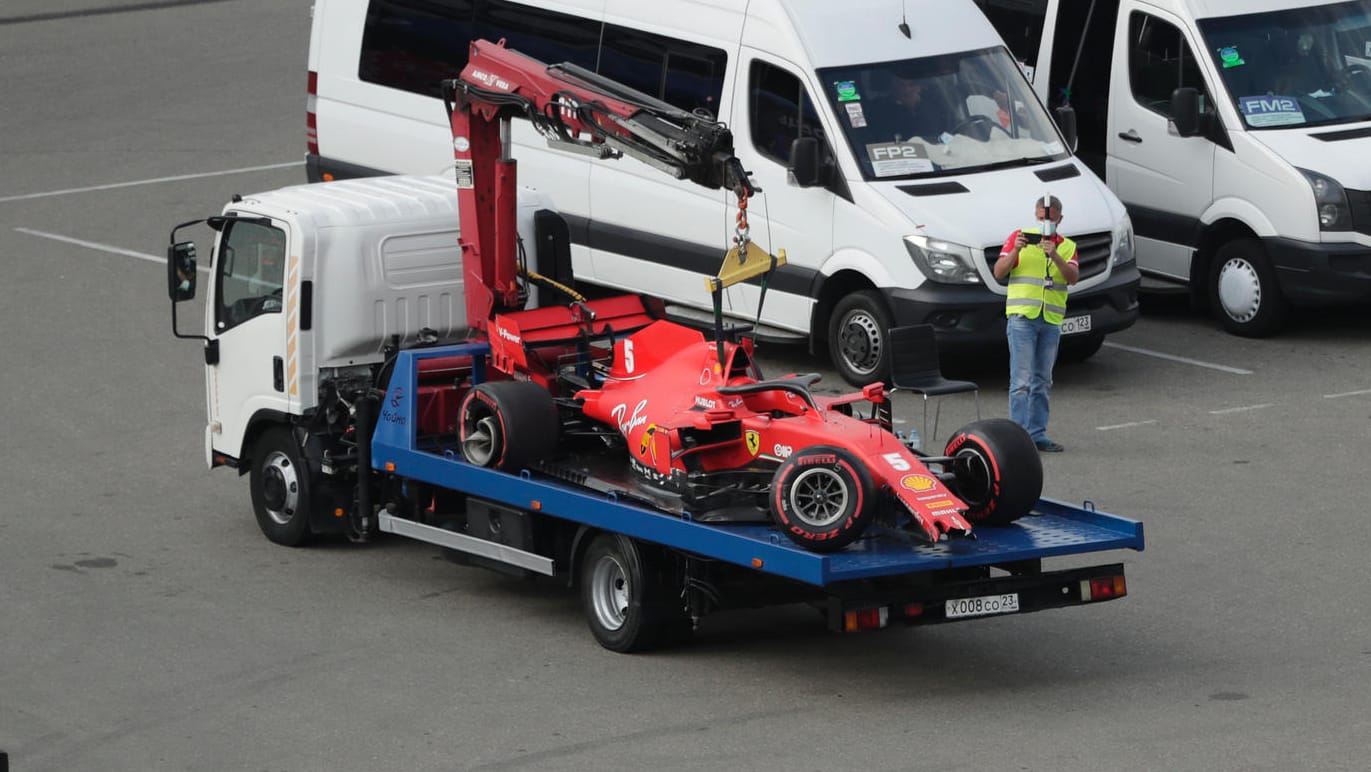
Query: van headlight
[1123, 242]
[1331, 202]
[943, 261]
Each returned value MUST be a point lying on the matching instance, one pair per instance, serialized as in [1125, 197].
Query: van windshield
[1297, 67]
[940, 115]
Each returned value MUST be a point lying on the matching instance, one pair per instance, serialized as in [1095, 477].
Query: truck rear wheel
[630, 600]
[280, 485]
[822, 497]
[508, 425]
[997, 470]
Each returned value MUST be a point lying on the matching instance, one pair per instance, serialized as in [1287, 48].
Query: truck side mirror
[1185, 111]
[804, 161]
[181, 271]
[1066, 122]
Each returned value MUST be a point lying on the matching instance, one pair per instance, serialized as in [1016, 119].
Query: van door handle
[1130, 136]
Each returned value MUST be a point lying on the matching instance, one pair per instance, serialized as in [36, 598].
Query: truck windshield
[940, 115]
[1297, 67]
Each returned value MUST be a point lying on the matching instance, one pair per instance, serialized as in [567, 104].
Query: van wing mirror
[181, 271]
[804, 161]
[1066, 123]
[1185, 111]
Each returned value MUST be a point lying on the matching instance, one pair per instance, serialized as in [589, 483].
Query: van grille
[1093, 252]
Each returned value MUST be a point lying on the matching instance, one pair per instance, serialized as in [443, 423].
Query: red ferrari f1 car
[705, 434]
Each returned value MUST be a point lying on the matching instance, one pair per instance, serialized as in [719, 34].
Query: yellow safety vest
[1036, 285]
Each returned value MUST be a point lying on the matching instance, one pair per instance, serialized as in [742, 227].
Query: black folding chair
[914, 367]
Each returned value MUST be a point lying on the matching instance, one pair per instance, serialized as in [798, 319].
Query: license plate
[1075, 324]
[985, 605]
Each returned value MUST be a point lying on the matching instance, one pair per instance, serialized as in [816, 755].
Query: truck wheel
[629, 599]
[858, 338]
[280, 485]
[823, 498]
[1243, 290]
[508, 425]
[996, 470]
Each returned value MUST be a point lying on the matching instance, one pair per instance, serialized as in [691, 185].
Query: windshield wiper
[1009, 164]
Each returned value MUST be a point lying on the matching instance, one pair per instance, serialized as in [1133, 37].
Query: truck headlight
[1123, 242]
[1331, 202]
[943, 261]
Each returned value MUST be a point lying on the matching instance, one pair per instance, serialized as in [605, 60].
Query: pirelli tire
[508, 425]
[823, 498]
[996, 470]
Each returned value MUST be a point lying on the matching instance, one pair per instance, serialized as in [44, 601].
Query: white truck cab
[1235, 131]
[931, 151]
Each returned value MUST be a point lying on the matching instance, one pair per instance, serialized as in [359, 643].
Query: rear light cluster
[876, 618]
[311, 123]
[1104, 588]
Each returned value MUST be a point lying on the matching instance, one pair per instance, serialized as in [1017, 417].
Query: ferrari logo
[754, 441]
[646, 445]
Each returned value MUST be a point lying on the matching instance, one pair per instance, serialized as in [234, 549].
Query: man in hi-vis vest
[1041, 265]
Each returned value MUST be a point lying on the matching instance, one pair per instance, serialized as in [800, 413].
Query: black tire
[859, 338]
[1243, 291]
[281, 488]
[823, 498]
[508, 425]
[996, 470]
[1074, 350]
[630, 598]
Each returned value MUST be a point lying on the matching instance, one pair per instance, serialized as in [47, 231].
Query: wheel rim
[483, 439]
[1240, 289]
[818, 497]
[860, 342]
[609, 593]
[280, 488]
[973, 478]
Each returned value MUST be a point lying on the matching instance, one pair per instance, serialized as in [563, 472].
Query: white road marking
[160, 259]
[1183, 360]
[1241, 409]
[1347, 394]
[1126, 426]
[153, 181]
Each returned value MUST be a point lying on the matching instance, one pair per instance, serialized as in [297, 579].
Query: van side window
[413, 45]
[251, 267]
[1159, 62]
[780, 111]
[685, 75]
[1020, 23]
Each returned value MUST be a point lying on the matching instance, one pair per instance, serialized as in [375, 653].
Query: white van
[900, 225]
[1251, 183]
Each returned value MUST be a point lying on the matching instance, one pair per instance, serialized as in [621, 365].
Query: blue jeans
[1032, 352]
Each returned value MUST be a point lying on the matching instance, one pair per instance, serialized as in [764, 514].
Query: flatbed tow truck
[489, 447]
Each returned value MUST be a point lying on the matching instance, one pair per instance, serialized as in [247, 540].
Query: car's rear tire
[823, 498]
[996, 470]
[508, 425]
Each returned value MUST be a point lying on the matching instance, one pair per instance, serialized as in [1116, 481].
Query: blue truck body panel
[1055, 528]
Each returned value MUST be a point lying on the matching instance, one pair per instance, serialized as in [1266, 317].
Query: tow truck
[511, 442]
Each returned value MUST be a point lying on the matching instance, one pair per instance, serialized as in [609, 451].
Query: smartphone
[1032, 238]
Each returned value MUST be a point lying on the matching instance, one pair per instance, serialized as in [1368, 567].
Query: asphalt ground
[146, 624]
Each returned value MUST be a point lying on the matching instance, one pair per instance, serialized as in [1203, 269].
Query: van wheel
[630, 600]
[996, 471]
[508, 425]
[1243, 290]
[859, 338]
[1074, 350]
[280, 485]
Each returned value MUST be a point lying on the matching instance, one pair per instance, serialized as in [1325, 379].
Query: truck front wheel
[280, 488]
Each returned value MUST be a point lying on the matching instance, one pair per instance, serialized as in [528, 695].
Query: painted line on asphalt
[159, 259]
[1347, 394]
[1183, 360]
[1241, 409]
[153, 181]
[1128, 425]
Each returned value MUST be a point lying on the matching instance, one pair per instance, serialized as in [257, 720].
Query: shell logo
[918, 482]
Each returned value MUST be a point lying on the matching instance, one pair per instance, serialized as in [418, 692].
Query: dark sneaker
[1048, 446]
